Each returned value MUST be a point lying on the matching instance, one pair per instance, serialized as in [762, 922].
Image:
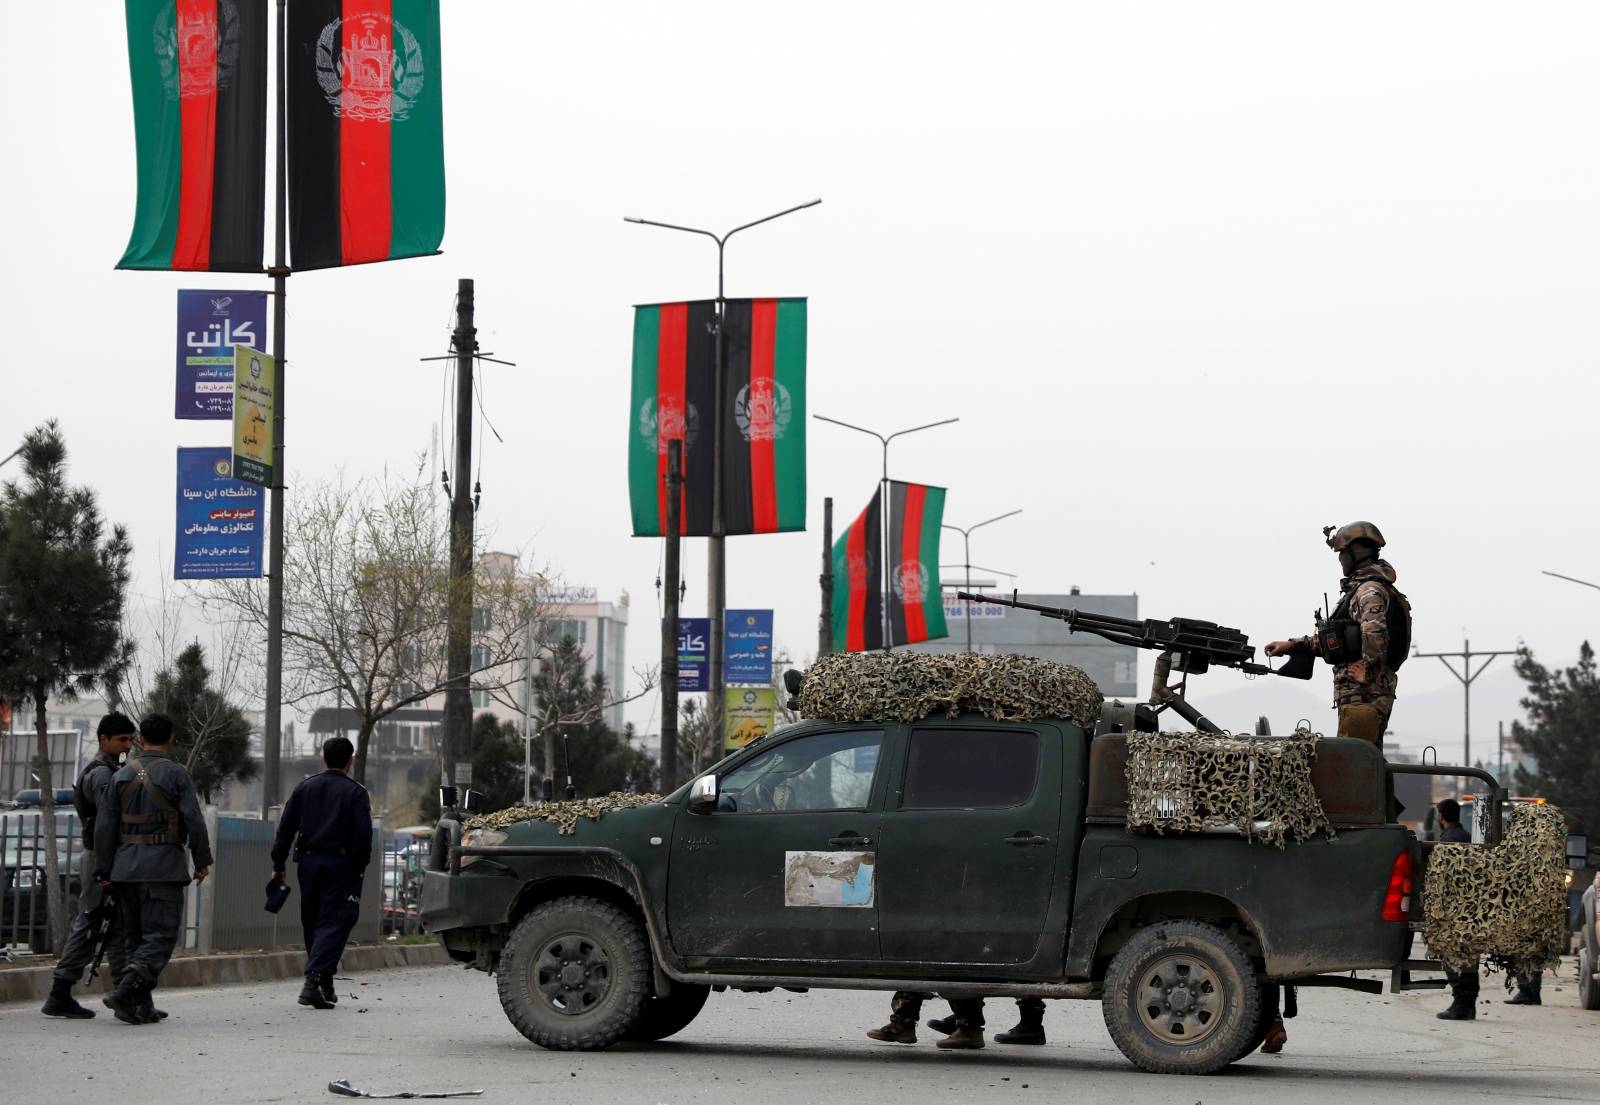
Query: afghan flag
[916, 603]
[858, 582]
[199, 70]
[763, 426]
[366, 131]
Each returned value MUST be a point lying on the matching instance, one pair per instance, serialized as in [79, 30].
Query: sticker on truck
[832, 880]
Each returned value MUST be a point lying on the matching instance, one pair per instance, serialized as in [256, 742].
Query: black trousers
[330, 905]
[152, 916]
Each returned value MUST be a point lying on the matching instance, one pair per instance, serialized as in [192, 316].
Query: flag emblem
[762, 410]
[668, 421]
[377, 74]
[196, 49]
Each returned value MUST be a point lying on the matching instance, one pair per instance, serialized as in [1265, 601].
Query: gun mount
[1188, 646]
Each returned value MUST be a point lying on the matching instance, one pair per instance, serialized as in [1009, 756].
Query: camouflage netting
[1507, 902]
[1187, 782]
[908, 686]
[566, 815]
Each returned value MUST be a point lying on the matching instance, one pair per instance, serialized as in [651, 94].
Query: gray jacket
[131, 861]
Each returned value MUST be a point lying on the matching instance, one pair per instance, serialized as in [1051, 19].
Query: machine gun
[102, 919]
[1187, 645]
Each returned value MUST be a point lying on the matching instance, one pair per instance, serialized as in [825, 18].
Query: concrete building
[999, 629]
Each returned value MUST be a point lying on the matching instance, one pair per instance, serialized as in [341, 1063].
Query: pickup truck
[955, 855]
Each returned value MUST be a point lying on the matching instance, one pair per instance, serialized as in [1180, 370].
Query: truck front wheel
[1181, 998]
[574, 974]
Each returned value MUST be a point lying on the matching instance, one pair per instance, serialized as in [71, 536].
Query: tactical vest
[164, 825]
[85, 803]
[1340, 636]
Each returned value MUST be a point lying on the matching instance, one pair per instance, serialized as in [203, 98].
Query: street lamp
[716, 567]
[15, 453]
[883, 498]
[1558, 575]
[966, 558]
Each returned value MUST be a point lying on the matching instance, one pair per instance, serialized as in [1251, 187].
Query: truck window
[970, 769]
[824, 771]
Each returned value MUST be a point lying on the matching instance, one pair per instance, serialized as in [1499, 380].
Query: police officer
[147, 817]
[1463, 984]
[115, 733]
[1367, 637]
[331, 814]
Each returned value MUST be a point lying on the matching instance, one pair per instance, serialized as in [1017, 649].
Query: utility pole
[669, 621]
[272, 724]
[825, 622]
[966, 560]
[455, 762]
[1466, 675]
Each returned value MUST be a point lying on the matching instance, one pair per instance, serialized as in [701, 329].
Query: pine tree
[1562, 734]
[212, 734]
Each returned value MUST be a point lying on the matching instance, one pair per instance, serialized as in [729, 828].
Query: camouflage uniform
[1364, 704]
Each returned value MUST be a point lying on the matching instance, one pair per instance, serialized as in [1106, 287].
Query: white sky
[1198, 279]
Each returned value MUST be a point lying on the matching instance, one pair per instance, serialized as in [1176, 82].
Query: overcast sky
[1198, 280]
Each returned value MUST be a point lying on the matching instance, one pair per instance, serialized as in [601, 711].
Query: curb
[33, 983]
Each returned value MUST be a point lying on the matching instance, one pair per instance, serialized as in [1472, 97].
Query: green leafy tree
[63, 583]
[577, 741]
[213, 735]
[1562, 734]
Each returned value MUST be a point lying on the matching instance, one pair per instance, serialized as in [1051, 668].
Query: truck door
[785, 868]
[969, 843]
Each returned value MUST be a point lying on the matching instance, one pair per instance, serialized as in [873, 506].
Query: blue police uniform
[328, 822]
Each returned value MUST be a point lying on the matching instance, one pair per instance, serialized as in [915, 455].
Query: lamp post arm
[852, 426]
[769, 218]
[914, 429]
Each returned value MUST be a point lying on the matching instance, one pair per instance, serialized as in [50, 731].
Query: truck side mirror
[703, 794]
[1577, 848]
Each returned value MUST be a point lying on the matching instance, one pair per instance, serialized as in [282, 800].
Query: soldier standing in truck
[1367, 636]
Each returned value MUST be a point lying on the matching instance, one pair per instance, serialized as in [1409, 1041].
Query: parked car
[30, 798]
[24, 910]
[1589, 953]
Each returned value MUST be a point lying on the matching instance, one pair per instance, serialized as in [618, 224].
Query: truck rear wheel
[1181, 998]
[1258, 1034]
[574, 974]
[661, 1017]
[1588, 988]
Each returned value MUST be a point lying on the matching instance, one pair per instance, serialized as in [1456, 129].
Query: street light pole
[1466, 675]
[716, 565]
[883, 504]
[966, 558]
[1557, 575]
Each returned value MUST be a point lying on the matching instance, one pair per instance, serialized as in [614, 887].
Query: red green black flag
[858, 582]
[916, 605]
[366, 131]
[764, 412]
[199, 72]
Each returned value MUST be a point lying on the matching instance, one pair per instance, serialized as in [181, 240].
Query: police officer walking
[147, 817]
[1463, 984]
[331, 815]
[115, 733]
[1367, 637]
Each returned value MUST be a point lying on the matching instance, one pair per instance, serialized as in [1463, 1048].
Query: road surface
[442, 1028]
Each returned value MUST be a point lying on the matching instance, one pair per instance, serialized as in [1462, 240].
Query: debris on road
[343, 1088]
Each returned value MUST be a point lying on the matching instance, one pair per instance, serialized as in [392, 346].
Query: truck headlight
[480, 838]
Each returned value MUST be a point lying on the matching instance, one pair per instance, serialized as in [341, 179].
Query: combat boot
[895, 1032]
[311, 992]
[1525, 997]
[61, 1003]
[1023, 1033]
[943, 1025]
[325, 985]
[130, 1001]
[1459, 1010]
[964, 1038]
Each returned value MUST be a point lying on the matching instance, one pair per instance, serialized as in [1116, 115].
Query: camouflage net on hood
[909, 686]
[1507, 902]
[566, 815]
[1187, 782]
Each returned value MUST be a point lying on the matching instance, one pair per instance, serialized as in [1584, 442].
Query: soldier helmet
[1340, 539]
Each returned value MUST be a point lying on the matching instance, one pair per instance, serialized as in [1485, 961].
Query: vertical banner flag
[366, 131]
[858, 582]
[694, 636]
[747, 647]
[219, 518]
[916, 604]
[255, 397]
[199, 72]
[764, 423]
[210, 325]
[748, 714]
[764, 414]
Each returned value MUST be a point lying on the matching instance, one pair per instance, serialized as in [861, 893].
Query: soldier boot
[1458, 1010]
[966, 1037]
[1030, 1024]
[1525, 997]
[130, 1001]
[943, 1025]
[61, 1003]
[895, 1032]
[325, 985]
[311, 992]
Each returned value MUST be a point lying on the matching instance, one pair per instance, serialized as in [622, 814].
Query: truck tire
[574, 974]
[1258, 1034]
[661, 1017]
[1588, 988]
[1181, 998]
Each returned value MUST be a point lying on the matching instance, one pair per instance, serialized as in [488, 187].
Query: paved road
[436, 1028]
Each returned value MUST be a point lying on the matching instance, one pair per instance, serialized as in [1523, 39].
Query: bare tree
[366, 594]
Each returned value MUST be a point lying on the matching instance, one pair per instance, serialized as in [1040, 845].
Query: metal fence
[222, 914]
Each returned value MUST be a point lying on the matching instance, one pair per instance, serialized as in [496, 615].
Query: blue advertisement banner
[210, 324]
[694, 653]
[220, 519]
[747, 648]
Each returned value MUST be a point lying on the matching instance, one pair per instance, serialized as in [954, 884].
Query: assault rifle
[102, 919]
[1187, 645]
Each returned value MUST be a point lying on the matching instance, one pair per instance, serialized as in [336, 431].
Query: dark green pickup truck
[963, 856]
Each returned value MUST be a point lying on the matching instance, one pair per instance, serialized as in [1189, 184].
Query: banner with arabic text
[210, 325]
[220, 519]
